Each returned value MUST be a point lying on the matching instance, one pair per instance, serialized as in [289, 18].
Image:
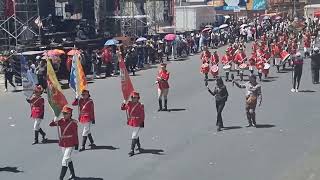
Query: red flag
[126, 85]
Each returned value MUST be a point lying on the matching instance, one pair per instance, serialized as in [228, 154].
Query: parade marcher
[214, 58]
[221, 95]
[275, 50]
[226, 60]
[136, 116]
[68, 140]
[260, 66]
[297, 64]
[205, 55]
[315, 65]
[163, 86]
[307, 43]
[205, 70]
[37, 113]
[240, 58]
[253, 92]
[86, 117]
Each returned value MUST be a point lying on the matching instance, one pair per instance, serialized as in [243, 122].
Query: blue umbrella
[216, 29]
[111, 42]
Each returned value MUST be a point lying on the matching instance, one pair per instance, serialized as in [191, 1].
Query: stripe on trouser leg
[36, 125]
[86, 129]
[135, 132]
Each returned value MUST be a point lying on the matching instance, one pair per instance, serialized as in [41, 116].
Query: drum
[226, 67]
[243, 66]
[204, 68]
[214, 70]
[266, 66]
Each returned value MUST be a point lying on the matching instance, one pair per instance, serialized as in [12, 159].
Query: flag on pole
[78, 81]
[56, 98]
[28, 77]
[38, 22]
[126, 85]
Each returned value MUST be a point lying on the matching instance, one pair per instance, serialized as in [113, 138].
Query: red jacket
[37, 107]
[163, 77]
[215, 59]
[135, 113]
[106, 56]
[68, 132]
[86, 110]
[205, 56]
[240, 57]
[225, 59]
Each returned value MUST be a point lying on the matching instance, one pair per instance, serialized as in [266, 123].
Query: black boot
[71, 168]
[133, 144]
[91, 141]
[253, 119]
[160, 105]
[36, 137]
[63, 172]
[227, 76]
[249, 119]
[139, 146]
[84, 141]
[43, 134]
[206, 77]
[241, 76]
[165, 105]
[260, 76]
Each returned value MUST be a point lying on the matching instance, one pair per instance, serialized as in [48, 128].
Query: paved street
[183, 143]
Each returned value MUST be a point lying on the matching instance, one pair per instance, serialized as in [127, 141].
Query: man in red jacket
[68, 140]
[37, 113]
[135, 115]
[163, 86]
[86, 117]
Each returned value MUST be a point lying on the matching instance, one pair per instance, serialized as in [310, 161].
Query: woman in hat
[297, 64]
[37, 113]
[221, 94]
[86, 117]
[68, 140]
[135, 119]
[253, 92]
[163, 86]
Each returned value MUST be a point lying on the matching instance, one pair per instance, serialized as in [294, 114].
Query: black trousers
[8, 77]
[315, 74]
[219, 106]
[296, 78]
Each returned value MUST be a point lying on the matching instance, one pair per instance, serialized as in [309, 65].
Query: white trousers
[36, 124]
[86, 128]
[67, 152]
[306, 49]
[277, 61]
[135, 132]
[163, 93]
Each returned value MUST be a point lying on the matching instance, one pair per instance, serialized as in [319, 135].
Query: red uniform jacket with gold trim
[240, 57]
[215, 59]
[68, 132]
[86, 110]
[37, 107]
[163, 77]
[135, 113]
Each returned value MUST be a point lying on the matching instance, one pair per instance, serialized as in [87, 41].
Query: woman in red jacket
[135, 119]
[37, 113]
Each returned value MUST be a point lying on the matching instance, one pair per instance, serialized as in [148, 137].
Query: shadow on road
[232, 127]
[268, 80]
[103, 147]
[15, 91]
[10, 169]
[307, 91]
[152, 151]
[265, 126]
[89, 178]
[51, 141]
[273, 77]
[176, 109]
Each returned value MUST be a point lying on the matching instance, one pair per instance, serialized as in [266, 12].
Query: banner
[78, 81]
[126, 85]
[56, 98]
[256, 5]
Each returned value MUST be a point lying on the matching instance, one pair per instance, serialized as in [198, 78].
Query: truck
[190, 18]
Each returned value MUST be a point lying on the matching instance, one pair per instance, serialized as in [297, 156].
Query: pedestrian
[135, 119]
[315, 65]
[221, 95]
[297, 65]
[37, 113]
[68, 140]
[8, 75]
[86, 117]
[163, 86]
[253, 92]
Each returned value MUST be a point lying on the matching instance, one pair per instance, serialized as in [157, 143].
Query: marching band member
[307, 43]
[37, 113]
[240, 58]
[297, 64]
[86, 117]
[214, 58]
[253, 92]
[68, 140]
[275, 51]
[163, 86]
[226, 60]
[136, 116]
